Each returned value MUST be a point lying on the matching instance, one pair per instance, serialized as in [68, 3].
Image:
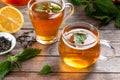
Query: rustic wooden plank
[62, 76]
[36, 64]
[2, 57]
[58, 65]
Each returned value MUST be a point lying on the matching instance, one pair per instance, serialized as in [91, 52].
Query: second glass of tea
[46, 17]
[79, 45]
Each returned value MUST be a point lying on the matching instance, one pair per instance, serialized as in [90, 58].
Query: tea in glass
[79, 45]
[16, 2]
[79, 55]
[46, 17]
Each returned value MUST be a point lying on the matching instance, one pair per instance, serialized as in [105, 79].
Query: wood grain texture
[36, 64]
[101, 70]
[62, 76]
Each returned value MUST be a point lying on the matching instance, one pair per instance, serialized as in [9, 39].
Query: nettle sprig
[104, 10]
[13, 60]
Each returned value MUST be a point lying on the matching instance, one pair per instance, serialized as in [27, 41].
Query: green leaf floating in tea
[48, 7]
[79, 38]
[40, 8]
[56, 8]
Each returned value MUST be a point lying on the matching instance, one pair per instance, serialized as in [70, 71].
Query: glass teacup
[46, 17]
[85, 53]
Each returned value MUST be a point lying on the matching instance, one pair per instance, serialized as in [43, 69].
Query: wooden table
[101, 70]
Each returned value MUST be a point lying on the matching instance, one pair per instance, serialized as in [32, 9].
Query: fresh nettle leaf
[13, 61]
[118, 6]
[104, 20]
[104, 10]
[12, 58]
[45, 70]
[49, 6]
[79, 38]
[88, 10]
[40, 9]
[28, 53]
[5, 67]
[56, 8]
[105, 6]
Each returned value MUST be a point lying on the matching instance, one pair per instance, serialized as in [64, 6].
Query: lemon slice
[11, 19]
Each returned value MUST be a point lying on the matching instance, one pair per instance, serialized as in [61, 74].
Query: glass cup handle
[107, 43]
[71, 11]
[29, 3]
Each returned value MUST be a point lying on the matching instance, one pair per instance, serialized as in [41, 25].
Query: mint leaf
[27, 54]
[5, 67]
[104, 20]
[40, 9]
[104, 10]
[45, 70]
[118, 6]
[12, 61]
[56, 8]
[105, 6]
[88, 10]
[79, 38]
[49, 6]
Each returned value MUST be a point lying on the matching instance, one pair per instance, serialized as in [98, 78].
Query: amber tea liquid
[79, 56]
[46, 23]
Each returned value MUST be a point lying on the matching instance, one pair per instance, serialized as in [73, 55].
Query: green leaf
[45, 70]
[104, 20]
[105, 6]
[5, 67]
[12, 61]
[49, 6]
[12, 58]
[88, 10]
[118, 6]
[17, 65]
[76, 2]
[79, 38]
[28, 53]
[40, 9]
[117, 21]
[56, 8]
